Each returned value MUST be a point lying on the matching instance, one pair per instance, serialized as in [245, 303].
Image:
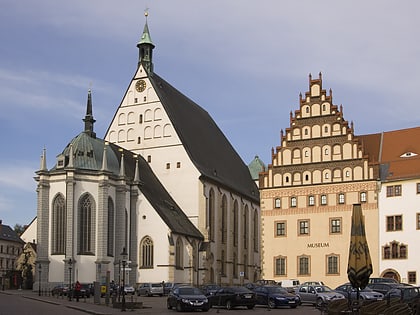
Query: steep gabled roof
[8, 234]
[401, 153]
[205, 143]
[157, 195]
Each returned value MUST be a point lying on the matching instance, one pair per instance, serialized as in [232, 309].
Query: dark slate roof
[88, 155]
[205, 143]
[8, 234]
[157, 195]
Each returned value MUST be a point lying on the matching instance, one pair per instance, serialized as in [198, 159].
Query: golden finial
[146, 12]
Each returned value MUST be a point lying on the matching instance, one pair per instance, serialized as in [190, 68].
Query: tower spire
[89, 121]
[145, 46]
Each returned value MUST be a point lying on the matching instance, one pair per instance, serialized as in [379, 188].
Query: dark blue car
[274, 296]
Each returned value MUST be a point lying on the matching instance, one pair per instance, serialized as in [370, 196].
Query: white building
[166, 185]
[399, 200]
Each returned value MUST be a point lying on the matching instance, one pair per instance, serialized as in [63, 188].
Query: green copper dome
[255, 167]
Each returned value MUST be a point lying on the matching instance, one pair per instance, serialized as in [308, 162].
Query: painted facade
[319, 170]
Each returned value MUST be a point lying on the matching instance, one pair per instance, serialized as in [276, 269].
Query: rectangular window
[311, 200]
[332, 265]
[281, 228]
[418, 188]
[392, 191]
[341, 199]
[418, 221]
[293, 202]
[394, 223]
[168, 166]
[277, 203]
[335, 226]
[363, 196]
[303, 227]
[303, 266]
[412, 277]
[323, 200]
[280, 266]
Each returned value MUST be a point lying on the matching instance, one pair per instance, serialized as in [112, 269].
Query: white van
[289, 284]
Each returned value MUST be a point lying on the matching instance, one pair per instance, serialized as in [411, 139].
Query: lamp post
[124, 262]
[69, 290]
[39, 279]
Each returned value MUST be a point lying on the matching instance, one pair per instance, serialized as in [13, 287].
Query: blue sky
[244, 62]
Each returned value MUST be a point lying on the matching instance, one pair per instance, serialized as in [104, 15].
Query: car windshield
[155, 285]
[277, 290]
[189, 291]
[322, 289]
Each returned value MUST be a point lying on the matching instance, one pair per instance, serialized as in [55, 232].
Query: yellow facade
[308, 191]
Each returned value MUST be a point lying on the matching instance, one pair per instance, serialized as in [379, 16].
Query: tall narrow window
[224, 219]
[293, 202]
[86, 226]
[280, 266]
[303, 266]
[146, 252]
[363, 196]
[311, 200]
[277, 203]
[341, 198]
[58, 226]
[323, 200]
[332, 265]
[255, 234]
[179, 252]
[111, 228]
[211, 215]
[235, 223]
[245, 229]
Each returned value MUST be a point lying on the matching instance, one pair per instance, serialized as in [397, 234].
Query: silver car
[317, 294]
[366, 294]
[150, 289]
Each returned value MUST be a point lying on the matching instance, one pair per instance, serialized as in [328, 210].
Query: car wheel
[293, 306]
[250, 307]
[168, 305]
[319, 302]
[228, 305]
[179, 307]
[205, 309]
[271, 303]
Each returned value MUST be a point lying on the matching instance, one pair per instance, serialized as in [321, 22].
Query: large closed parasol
[360, 264]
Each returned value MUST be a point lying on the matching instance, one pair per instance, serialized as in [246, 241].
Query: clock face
[140, 85]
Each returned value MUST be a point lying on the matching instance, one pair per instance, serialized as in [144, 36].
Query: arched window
[86, 226]
[277, 203]
[224, 219]
[223, 263]
[111, 231]
[245, 229]
[179, 258]
[235, 223]
[146, 252]
[293, 202]
[59, 225]
[211, 219]
[255, 234]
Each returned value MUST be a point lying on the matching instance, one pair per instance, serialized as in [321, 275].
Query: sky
[243, 61]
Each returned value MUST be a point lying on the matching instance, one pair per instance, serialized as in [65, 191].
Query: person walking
[77, 289]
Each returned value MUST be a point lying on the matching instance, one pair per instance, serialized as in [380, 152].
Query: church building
[164, 186]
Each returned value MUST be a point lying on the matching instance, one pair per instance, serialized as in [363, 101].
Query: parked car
[289, 284]
[129, 289]
[317, 295]
[381, 280]
[231, 297]
[313, 283]
[59, 290]
[185, 298]
[386, 287]
[406, 294]
[85, 290]
[150, 289]
[209, 289]
[366, 294]
[274, 296]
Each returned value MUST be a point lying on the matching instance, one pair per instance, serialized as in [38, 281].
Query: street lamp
[124, 262]
[69, 290]
[39, 279]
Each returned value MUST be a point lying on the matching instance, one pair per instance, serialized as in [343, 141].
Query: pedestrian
[77, 289]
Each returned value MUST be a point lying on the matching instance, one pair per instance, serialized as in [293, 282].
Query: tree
[19, 229]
